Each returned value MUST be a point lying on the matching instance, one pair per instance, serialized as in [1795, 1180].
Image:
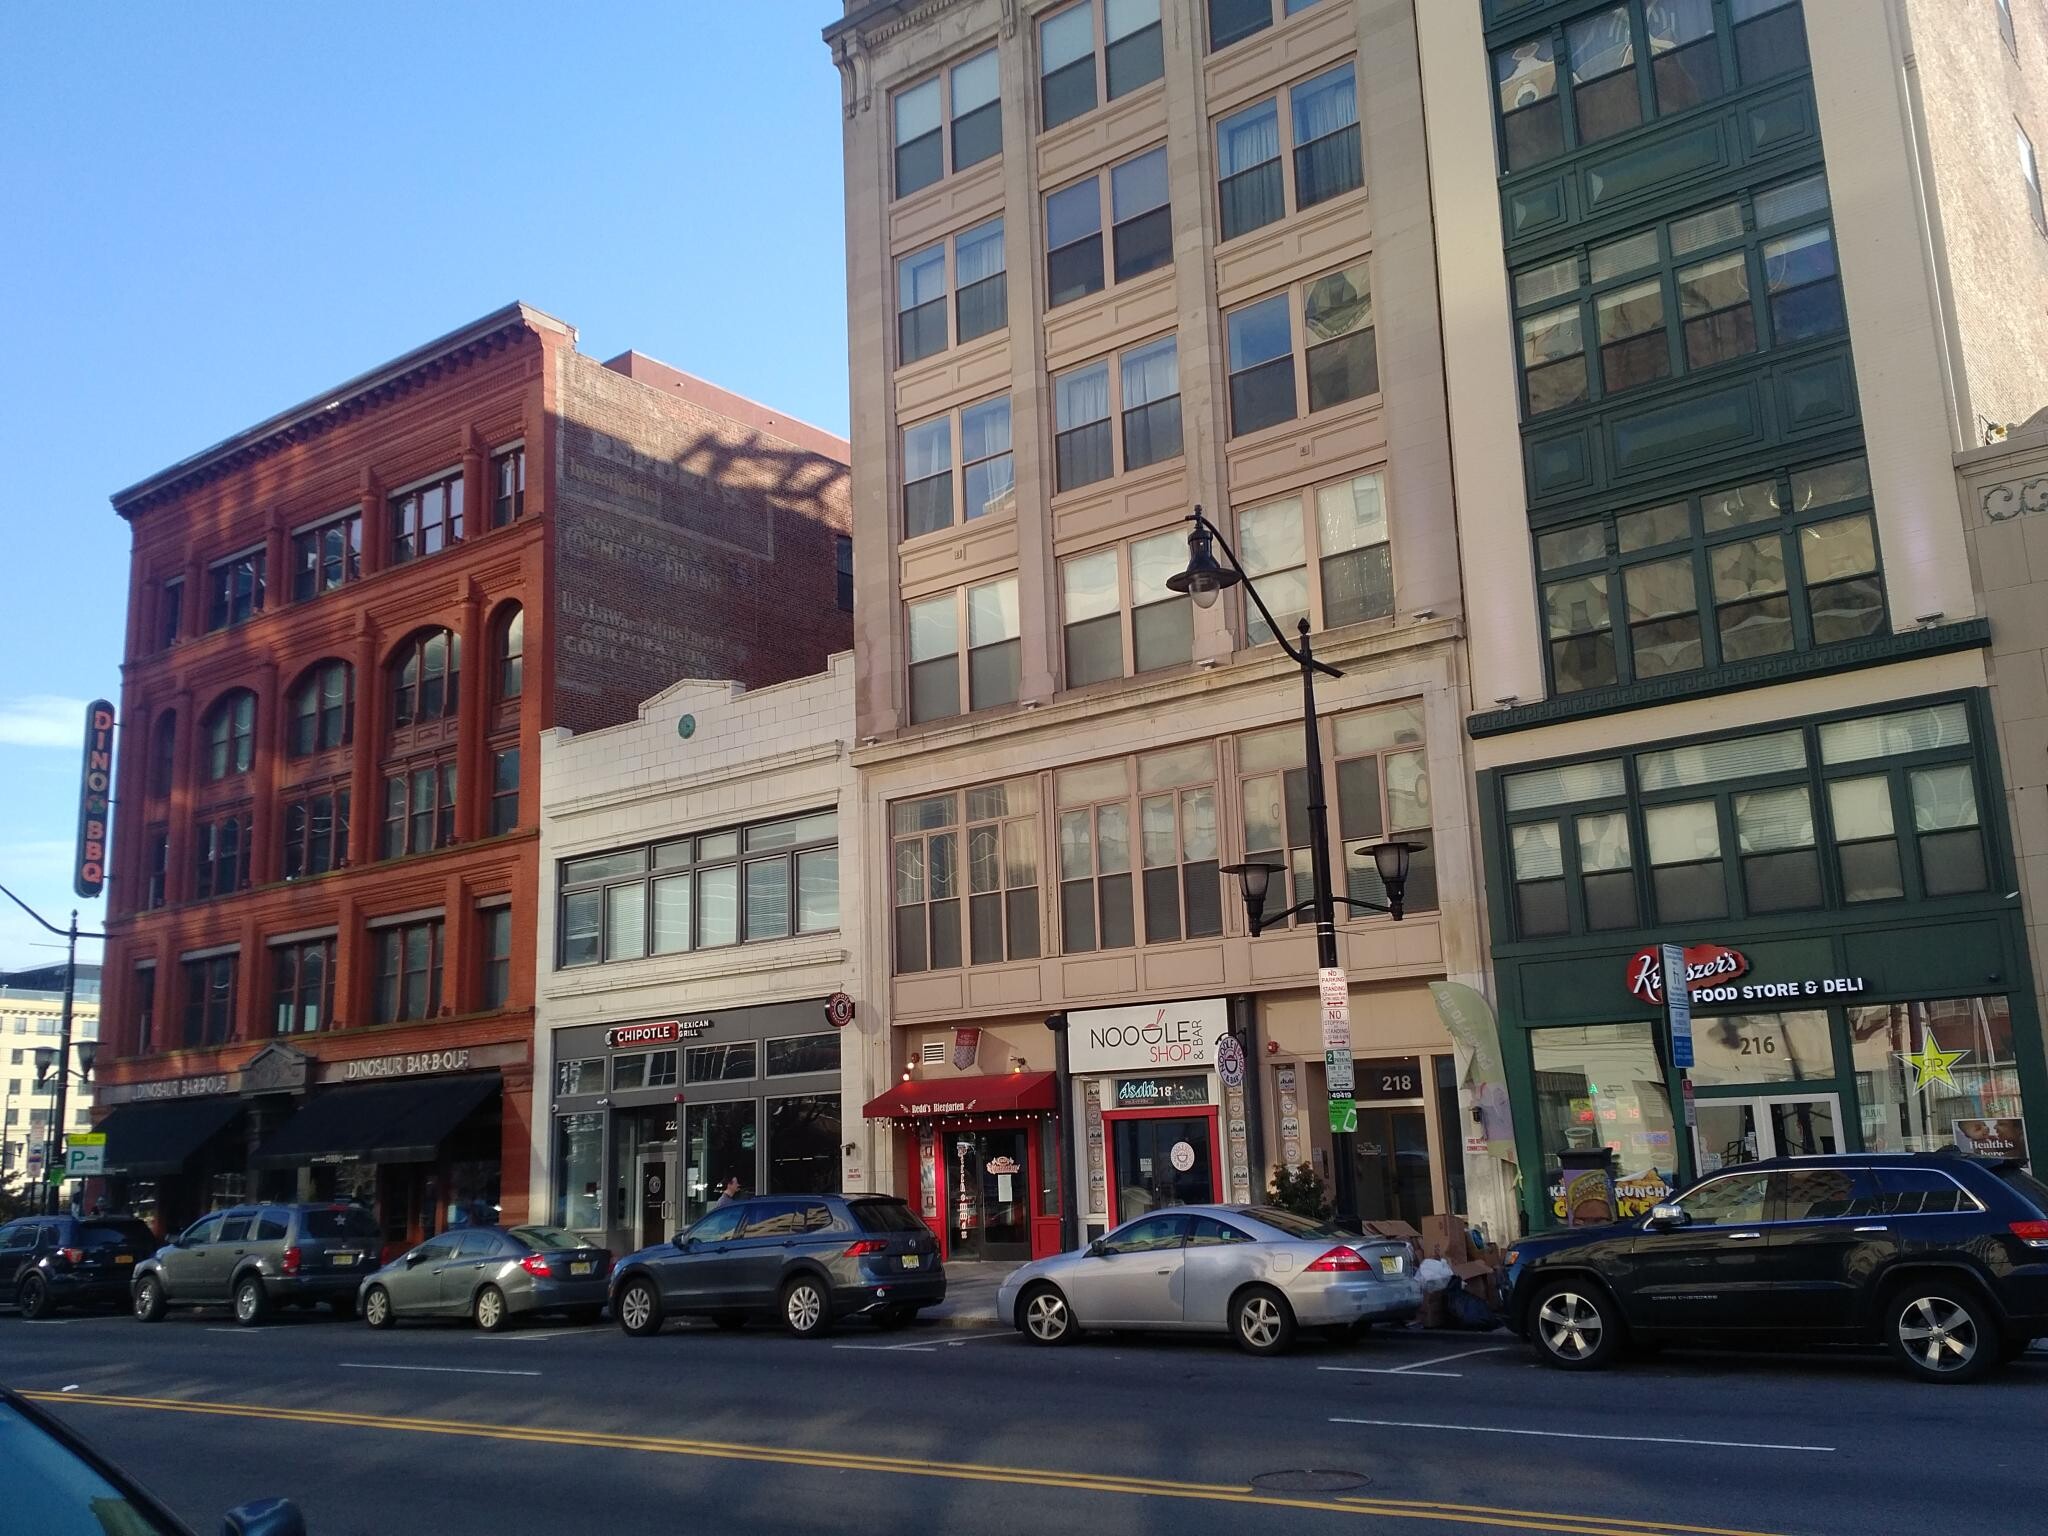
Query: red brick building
[346, 627]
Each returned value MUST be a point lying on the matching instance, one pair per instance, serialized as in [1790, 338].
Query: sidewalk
[970, 1295]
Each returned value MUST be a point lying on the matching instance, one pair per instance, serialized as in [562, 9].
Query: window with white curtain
[1083, 445]
[1150, 378]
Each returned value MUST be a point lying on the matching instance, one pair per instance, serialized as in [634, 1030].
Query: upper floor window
[1142, 387]
[969, 94]
[2030, 172]
[426, 519]
[979, 283]
[1757, 271]
[508, 485]
[510, 645]
[1179, 895]
[1078, 67]
[157, 868]
[327, 555]
[999, 843]
[988, 614]
[770, 880]
[170, 613]
[1232, 21]
[1870, 809]
[234, 590]
[1780, 564]
[1337, 532]
[1141, 225]
[504, 790]
[407, 984]
[163, 754]
[1694, 49]
[419, 808]
[222, 850]
[1254, 168]
[425, 678]
[988, 478]
[208, 988]
[316, 831]
[842, 560]
[322, 709]
[1116, 603]
[230, 736]
[1337, 359]
[142, 990]
[302, 986]
[496, 923]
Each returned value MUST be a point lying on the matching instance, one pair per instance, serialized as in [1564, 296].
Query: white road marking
[1000, 1333]
[1493, 1349]
[437, 1370]
[1391, 1370]
[1560, 1434]
[521, 1338]
[914, 1349]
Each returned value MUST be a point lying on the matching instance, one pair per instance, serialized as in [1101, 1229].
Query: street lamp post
[1203, 580]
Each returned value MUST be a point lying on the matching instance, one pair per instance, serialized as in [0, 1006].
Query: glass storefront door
[1161, 1159]
[721, 1143]
[1391, 1150]
[988, 1194]
[1734, 1131]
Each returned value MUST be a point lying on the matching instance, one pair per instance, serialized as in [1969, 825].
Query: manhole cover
[1310, 1480]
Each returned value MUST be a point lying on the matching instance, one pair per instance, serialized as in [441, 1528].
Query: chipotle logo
[1705, 965]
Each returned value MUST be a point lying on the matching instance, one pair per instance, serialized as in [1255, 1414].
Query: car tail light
[73, 1255]
[291, 1260]
[1339, 1258]
[536, 1264]
[2033, 1233]
[866, 1248]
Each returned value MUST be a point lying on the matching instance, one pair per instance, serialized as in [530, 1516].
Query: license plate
[124, 1258]
[912, 1260]
[580, 1267]
[1390, 1264]
[343, 1260]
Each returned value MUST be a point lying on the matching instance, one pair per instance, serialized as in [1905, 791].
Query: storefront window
[722, 1141]
[579, 1166]
[1937, 1074]
[1601, 1085]
[803, 1053]
[644, 1069]
[731, 1062]
[1761, 1048]
[582, 1076]
[803, 1144]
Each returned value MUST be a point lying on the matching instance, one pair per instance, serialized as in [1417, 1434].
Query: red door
[1161, 1157]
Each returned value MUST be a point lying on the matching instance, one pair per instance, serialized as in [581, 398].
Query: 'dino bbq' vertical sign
[95, 783]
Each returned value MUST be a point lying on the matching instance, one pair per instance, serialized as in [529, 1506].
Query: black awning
[396, 1122]
[149, 1140]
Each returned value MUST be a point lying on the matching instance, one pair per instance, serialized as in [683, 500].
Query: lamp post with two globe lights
[1204, 581]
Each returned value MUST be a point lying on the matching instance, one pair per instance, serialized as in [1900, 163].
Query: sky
[210, 212]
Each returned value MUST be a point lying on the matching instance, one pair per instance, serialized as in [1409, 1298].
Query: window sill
[1068, 142]
[1307, 421]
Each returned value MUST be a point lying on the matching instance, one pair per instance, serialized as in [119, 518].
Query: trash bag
[1435, 1275]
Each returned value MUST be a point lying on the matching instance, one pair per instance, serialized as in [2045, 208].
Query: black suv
[51, 1262]
[260, 1256]
[807, 1259]
[1940, 1257]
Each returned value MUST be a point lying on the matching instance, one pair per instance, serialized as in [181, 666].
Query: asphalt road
[965, 1431]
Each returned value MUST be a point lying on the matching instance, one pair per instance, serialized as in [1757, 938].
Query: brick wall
[694, 538]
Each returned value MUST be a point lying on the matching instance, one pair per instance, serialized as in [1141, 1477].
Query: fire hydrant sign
[1336, 995]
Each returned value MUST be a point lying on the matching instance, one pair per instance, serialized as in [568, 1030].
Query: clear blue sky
[211, 212]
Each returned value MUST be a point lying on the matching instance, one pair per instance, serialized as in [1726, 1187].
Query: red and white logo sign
[1705, 965]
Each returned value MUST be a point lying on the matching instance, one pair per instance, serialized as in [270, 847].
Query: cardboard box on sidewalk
[1394, 1230]
[1445, 1237]
[1477, 1276]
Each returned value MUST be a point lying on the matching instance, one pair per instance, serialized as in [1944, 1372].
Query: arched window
[323, 709]
[424, 677]
[511, 655]
[231, 736]
[163, 754]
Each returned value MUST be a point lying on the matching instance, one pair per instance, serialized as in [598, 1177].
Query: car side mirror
[264, 1517]
[1100, 1249]
[1666, 1216]
[686, 1244]
[413, 1258]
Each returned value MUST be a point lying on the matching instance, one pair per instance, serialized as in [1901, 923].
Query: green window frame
[1841, 813]
[1606, 72]
[1747, 274]
[1781, 562]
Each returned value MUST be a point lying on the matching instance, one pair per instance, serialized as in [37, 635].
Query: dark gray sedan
[493, 1275]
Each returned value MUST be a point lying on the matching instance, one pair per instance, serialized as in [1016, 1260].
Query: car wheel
[1044, 1317]
[1574, 1326]
[806, 1310]
[639, 1309]
[377, 1310]
[250, 1302]
[490, 1311]
[34, 1298]
[1940, 1331]
[1261, 1321]
[731, 1322]
[149, 1300]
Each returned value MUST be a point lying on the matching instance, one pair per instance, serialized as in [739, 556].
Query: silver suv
[260, 1256]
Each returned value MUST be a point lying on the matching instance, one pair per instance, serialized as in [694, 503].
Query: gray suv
[260, 1256]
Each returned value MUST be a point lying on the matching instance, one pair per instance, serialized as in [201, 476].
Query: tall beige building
[1108, 260]
[32, 1016]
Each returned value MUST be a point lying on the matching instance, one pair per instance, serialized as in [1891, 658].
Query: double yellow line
[904, 1466]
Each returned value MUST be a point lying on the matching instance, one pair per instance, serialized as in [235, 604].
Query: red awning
[1009, 1094]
